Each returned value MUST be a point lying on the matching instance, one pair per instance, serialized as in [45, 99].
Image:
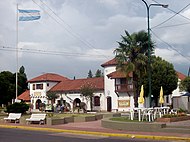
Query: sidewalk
[95, 128]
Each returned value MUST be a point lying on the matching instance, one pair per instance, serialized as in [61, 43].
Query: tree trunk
[135, 91]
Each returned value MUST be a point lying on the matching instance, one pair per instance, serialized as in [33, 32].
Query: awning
[186, 94]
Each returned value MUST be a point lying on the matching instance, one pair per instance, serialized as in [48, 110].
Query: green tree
[98, 73]
[52, 96]
[17, 108]
[163, 74]
[90, 75]
[7, 87]
[185, 84]
[87, 90]
[22, 70]
[22, 80]
[131, 56]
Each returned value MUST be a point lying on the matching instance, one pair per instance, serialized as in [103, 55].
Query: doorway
[109, 104]
[38, 102]
[76, 102]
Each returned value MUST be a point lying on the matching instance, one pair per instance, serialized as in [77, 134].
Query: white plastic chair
[158, 112]
[148, 114]
[173, 111]
[132, 114]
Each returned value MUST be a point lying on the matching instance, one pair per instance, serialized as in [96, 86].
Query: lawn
[54, 115]
[61, 115]
[124, 119]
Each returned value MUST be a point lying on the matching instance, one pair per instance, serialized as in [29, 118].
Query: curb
[96, 133]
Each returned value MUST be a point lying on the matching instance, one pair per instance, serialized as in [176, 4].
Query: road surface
[18, 135]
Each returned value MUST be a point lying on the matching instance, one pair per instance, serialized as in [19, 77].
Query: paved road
[18, 135]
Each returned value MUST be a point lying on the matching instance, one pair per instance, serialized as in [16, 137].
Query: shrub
[173, 115]
[181, 111]
[2, 109]
[169, 115]
[17, 108]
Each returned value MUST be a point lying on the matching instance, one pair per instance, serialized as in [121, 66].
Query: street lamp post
[149, 48]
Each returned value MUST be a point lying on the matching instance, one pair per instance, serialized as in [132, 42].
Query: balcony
[123, 87]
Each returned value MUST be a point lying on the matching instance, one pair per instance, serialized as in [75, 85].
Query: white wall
[109, 88]
[70, 97]
[182, 102]
[40, 93]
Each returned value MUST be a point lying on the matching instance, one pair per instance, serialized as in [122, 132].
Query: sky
[75, 36]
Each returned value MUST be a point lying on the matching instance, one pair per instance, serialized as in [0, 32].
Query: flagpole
[16, 53]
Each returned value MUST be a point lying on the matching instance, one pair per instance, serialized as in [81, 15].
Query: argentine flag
[29, 15]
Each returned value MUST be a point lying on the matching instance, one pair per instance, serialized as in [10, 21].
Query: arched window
[96, 101]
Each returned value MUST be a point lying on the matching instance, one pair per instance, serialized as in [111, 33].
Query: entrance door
[109, 104]
[76, 103]
[38, 102]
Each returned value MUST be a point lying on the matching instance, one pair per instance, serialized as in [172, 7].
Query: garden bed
[72, 118]
[173, 119]
[128, 125]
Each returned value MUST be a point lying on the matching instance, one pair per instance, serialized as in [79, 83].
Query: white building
[179, 98]
[118, 90]
[113, 92]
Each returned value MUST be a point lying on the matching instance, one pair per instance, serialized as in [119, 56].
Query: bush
[169, 115]
[17, 108]
[181, 110]
[173, 115]
[2, 109]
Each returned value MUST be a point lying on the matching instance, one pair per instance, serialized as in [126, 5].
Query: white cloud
[97, 55]
[169, 31]
[90, 28]
[110, 2]
[170, 56]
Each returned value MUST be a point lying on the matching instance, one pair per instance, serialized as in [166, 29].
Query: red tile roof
[25, 96]
[112, 62]
[181, 76]
[49, 77]
[75, 85]
[118, 74]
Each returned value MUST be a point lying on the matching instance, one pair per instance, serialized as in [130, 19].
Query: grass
[61, 115]
[55, 115]
[124, 119]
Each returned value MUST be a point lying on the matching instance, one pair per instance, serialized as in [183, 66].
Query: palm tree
[132, 56]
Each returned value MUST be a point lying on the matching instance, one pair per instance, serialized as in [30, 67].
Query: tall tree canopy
[132, 55]
[185, 84]
[98, 73]
[8, 85]
[90, 75]
[22, 80]
[162, 74]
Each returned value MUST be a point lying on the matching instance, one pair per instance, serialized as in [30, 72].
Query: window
[33, 87]
[96, 101]
[47, 84]
[39, 86]
[123, 80]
